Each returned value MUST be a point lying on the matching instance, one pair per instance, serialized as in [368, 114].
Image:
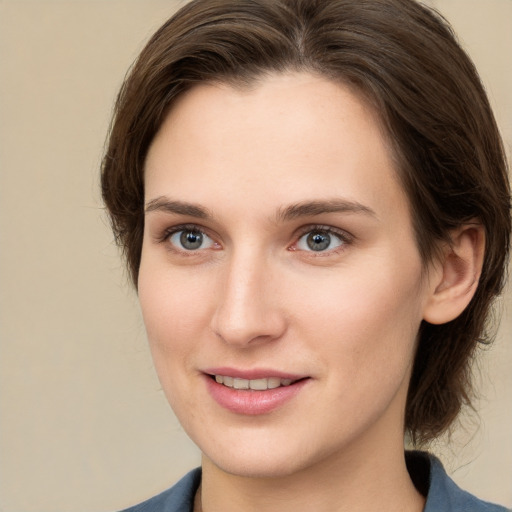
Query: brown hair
[405, 59]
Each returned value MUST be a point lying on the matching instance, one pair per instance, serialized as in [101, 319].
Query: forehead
[284, 137]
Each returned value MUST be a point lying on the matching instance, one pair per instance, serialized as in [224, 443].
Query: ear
[456, 274]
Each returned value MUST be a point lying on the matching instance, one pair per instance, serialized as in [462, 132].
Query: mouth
[256, 392]
[253, 384]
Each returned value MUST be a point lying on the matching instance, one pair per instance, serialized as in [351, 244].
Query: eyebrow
[164, 204]
[311, 208]
[290, 212]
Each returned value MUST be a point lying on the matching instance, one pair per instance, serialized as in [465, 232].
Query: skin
[254, 295]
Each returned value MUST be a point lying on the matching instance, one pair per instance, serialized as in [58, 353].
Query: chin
[260, 467]
[264, 456]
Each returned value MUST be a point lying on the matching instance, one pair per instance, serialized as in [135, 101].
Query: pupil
[191, 239]
[318, 241]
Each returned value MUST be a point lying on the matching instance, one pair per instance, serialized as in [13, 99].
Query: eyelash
[343, 236]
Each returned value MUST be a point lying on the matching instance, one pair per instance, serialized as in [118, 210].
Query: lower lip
[251, 402]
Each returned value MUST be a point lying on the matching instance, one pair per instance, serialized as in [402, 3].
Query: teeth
[254, 384]
[273, 382]
[258, 384]
[241, 383]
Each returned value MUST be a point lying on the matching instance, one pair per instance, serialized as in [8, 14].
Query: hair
[405, 60]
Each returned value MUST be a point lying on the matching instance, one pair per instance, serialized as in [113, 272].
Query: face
[280, 282]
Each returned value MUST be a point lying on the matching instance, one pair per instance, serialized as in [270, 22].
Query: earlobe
[456, 274]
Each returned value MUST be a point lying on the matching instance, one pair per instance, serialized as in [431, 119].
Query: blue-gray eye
[190, 239]
[319, 240]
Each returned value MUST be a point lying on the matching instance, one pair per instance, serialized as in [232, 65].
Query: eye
[320, 240]
[190, 239]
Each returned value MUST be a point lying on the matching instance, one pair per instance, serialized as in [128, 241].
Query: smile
[252, 384]
[249, 392]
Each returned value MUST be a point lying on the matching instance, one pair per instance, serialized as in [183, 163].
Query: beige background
[84, 424]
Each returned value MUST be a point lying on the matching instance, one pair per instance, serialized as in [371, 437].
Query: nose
[249, 309]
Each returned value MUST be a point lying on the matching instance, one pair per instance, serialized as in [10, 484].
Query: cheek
[175, 312]
[366, 319]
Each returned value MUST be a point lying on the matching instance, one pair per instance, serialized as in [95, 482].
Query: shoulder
[179, 498]
[443, 494]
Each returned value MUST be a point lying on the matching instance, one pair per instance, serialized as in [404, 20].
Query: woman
[313, 203]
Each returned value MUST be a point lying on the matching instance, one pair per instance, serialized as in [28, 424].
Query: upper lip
[252, 374]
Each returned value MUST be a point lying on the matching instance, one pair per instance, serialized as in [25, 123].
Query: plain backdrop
[84, 424]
